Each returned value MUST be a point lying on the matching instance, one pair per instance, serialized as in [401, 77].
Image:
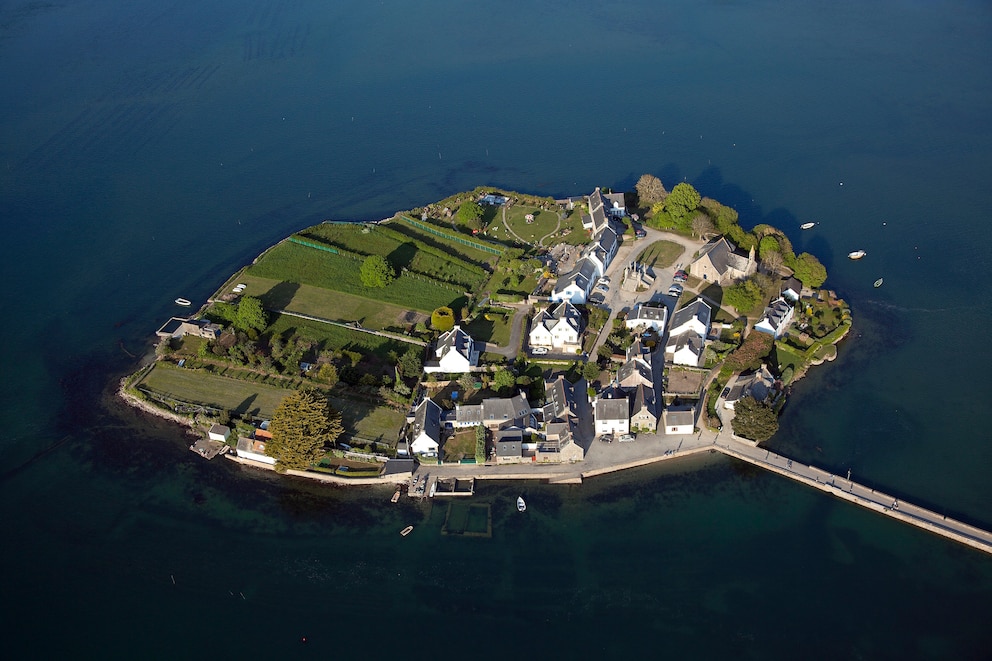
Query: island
[494, 328]
[501, 335]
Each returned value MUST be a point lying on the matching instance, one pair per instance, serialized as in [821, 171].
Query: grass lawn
[360, 418]
[785, 355]
[661, 254]
[459, 446]
[336, 306]
[293, 264]
[495, 329]
[544, 222]
[577, 236]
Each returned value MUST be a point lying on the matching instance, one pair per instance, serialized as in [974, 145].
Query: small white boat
[807, 226]
[183, 302]
[406, 531]
[521, 505]
[878, 283]
[857, 254]
[396, 496]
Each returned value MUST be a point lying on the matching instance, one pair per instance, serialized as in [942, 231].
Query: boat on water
[807, 226]
[878, 283]
[857, 254]
[183, 302]
[433, 489]
[406, 531]
[396, 496]
[521, 505]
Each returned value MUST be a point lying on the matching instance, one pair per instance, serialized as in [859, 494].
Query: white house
[720, 262]
[679, 420]
[576, 285]
[424, 434]
[776, 319]
[694, 317]
[254, 449]
[792, 289]
[219, 433]
[686, 349]
[558, 327]
[646, 317]
[611, 416]
[454, 352]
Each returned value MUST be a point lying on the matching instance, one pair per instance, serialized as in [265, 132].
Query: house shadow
[713, 292]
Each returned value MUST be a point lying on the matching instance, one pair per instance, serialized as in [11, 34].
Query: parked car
[639, 232]
[606, 438]
[626, 438]
[681, 276]
[603, 288]
[539, 351]
[675, 289]
[605, 280]
[597, 298]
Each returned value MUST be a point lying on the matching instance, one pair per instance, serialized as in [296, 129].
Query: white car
[626, 438]
[539, 351]
[604, 280]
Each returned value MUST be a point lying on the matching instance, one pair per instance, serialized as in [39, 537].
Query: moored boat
[183, 302]
[521, 505]
[857, 254]
[406, 531]
[807, 226]
[396, 496]
[878, 283]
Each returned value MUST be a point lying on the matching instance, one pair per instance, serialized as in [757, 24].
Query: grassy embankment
[361, 418]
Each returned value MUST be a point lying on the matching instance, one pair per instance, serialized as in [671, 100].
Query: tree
[773, 261]
[443, 319]
[467, 382]
[250, 315]
[302, 427]
[683, 200]
[480, 444]
[376, 271]
[767, 245]
[701, 224]
[744, 295]
[754, 420]
[326, 373]
[650, 190]
[409, 363]
[809, 270]
[470, 213]
[591, 370]
[503, 379]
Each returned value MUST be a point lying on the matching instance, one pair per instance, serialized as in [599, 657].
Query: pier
[859, 494]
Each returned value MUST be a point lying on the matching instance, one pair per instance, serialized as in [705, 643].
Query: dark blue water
[148, 150]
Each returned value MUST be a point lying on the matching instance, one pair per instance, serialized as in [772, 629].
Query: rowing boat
[857, 254]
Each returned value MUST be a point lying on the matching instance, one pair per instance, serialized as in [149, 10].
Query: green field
[402, 251]
[661, 254]
[332, 305]
[334, 337]
[291, 263]
[197, 387]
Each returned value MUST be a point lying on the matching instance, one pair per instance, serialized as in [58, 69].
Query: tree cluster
[303, 426]
[376, 272]
[650, 190]
[754, 420]
[749, 355]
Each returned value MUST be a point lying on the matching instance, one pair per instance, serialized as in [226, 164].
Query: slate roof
[552, 315]
[634, 372]
[427, 419]
[559, 397]
[454, 340]
[698, 309]
[723, 256]
[678, 417]
[648, 313]
[611, 409]
[643, 397]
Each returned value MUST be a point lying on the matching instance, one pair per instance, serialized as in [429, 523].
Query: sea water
[149, 150]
